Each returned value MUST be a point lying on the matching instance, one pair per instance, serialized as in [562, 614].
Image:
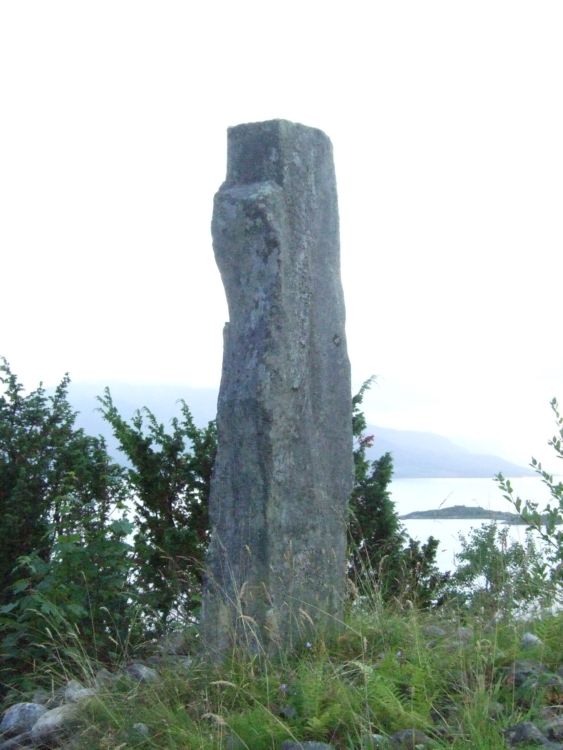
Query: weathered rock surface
[142, 729]
[553, 729]
[53, 725]
[21, 742]
[434, 631]
[530, 640]
[141, 673]
[20, 718]
[527, 733]
[522, 670]
[284, 471]
[75, 692]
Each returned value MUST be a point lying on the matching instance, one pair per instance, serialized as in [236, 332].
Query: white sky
[447, 124]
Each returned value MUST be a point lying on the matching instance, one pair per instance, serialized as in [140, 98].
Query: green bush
[65, 566]
[496, 575]
[77, 606]
[381, 554]
[546, 523]
[169, 477]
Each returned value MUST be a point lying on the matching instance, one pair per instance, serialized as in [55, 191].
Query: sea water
[411, 495]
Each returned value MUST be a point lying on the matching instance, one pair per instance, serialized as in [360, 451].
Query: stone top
[261, 151]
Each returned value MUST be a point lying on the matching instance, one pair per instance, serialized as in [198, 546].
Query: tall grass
[445, 673]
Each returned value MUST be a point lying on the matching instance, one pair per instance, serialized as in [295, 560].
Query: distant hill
[463, 511]
[424, 454]
[415, 454]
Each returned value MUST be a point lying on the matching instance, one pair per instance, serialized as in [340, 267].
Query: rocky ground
[50, 719]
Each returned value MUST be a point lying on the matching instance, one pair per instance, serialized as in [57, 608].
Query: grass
[388, 670]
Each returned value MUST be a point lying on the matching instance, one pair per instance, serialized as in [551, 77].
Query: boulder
[20, 718]
[530, 640]
[75, 692]
[525, 733]
[141, 673]
[53, 725]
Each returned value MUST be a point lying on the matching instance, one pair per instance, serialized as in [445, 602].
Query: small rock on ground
[434, 631]
[140, 672]
[75, 692]
[553, 730]
[464, 634]
[21, 742]
[20, 718]
[409, 739]
[529, 640]
[54, 724]
[525, 733]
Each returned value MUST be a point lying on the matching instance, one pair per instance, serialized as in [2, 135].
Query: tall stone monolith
[284, 468]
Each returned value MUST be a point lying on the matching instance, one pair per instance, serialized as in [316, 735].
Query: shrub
[169, 477]
[381, 553]
[546, 523]
[64, 561]
[497, 575]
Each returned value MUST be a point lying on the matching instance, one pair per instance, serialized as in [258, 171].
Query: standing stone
[284, 468]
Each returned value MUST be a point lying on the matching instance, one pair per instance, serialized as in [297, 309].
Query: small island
[464, 511]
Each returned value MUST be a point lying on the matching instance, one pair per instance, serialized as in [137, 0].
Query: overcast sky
[447, 125]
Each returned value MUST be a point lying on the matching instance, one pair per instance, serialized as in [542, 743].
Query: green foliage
[257, 727]
[169, 477]
[44, 461]
[549, 628]
[547, 522]
[72, 584]
[383, 674]
[64, 562]
[67, 567]
[380, 551]
[497, 575]
[78, 603]
[325, 702]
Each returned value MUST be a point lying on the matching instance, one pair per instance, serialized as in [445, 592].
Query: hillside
[415, 454]
[424, 454]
